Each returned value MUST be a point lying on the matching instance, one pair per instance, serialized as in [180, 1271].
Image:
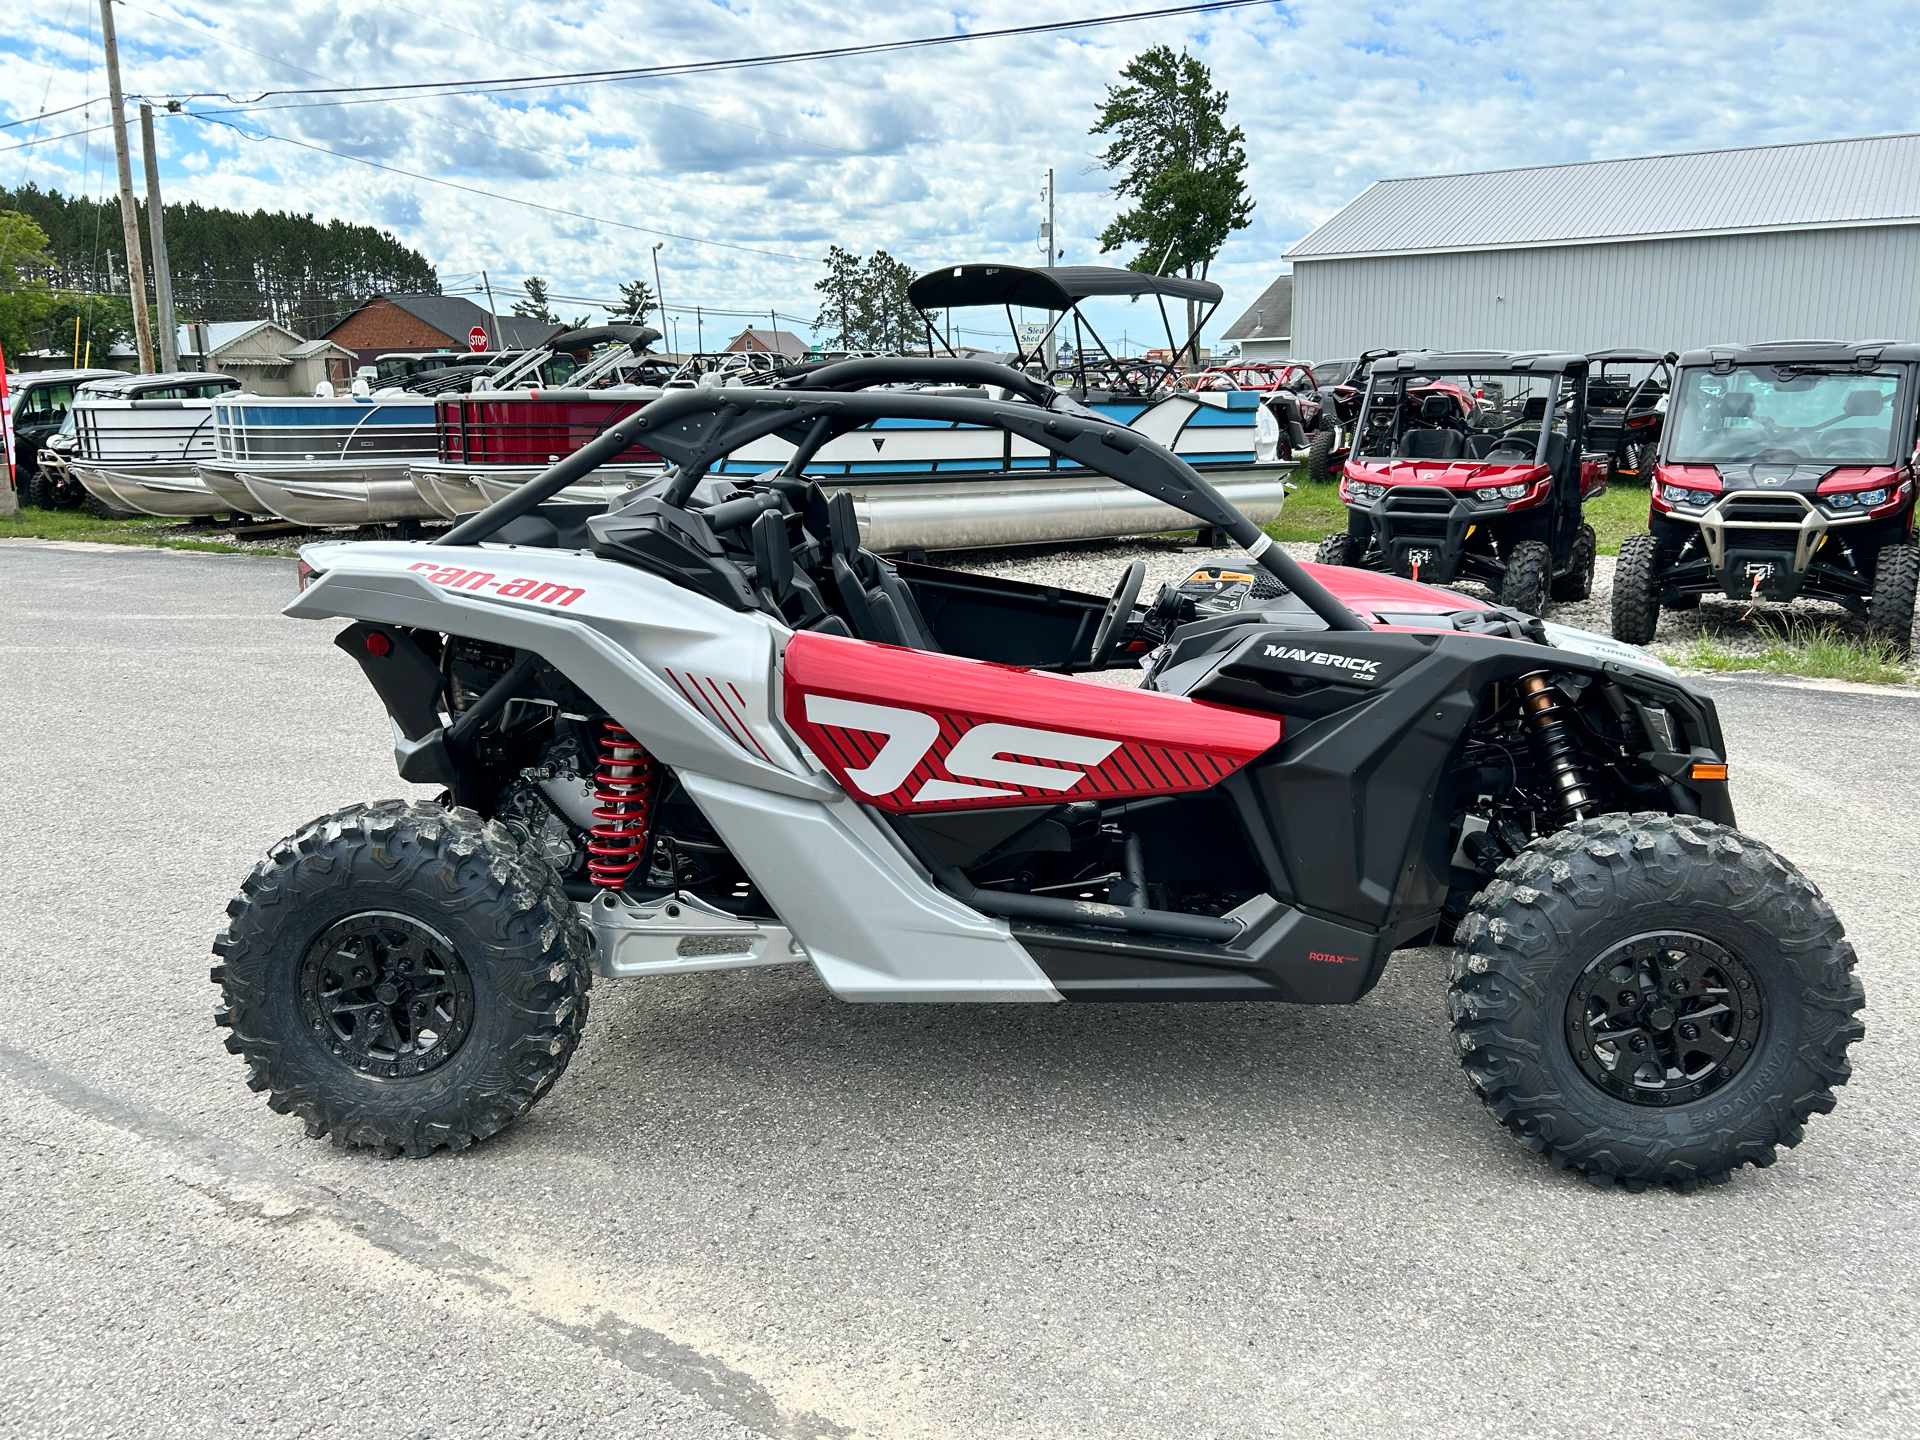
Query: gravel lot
[750, 1209]
[1096, 566]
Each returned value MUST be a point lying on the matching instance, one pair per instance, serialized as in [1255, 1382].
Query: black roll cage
[695, 428]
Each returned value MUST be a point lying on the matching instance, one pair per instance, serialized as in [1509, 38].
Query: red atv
[1471, 467]
[1287, 388]
[1787, 470]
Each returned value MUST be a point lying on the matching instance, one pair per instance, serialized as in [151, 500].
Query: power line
[421, 88]
[49, 114]
[490, 194]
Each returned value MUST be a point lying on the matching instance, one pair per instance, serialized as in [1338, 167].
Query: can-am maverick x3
[1459, 472]
[705, 729]
[1787, 470]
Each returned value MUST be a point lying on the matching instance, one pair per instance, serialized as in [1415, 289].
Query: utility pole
[1050, 230]
[129, 222]
[659, 300]
[493, 318]
[699, 332]
[157, 229]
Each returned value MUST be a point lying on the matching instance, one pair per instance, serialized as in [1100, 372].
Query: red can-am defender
[1458, 473]
[1787, 470]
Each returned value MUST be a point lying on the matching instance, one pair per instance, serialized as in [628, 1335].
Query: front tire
[1527, 583]
[1577, 582]
[1653, 999]
[1636, 590]
[1896, 577]
[403, 977]
[1337, 549]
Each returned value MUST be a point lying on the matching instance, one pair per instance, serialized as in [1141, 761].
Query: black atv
[40, 404]
[1473, 467]
[1626, 403]
[1786, 471]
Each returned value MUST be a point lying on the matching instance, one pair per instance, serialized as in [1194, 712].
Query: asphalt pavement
[751, 1209]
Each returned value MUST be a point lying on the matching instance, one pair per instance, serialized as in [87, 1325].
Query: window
[1785, 414]
[44, 405]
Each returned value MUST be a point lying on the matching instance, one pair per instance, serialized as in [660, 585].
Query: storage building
[1665, 252]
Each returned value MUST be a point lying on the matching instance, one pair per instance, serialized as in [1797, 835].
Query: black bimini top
[1863, 353]
[957, 286]
[1480, 362]
[594, 335]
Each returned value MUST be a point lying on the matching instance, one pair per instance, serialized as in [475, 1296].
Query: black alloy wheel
[1663, 1019]
[388, 996]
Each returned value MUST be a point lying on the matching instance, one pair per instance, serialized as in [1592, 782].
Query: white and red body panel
[909, 732]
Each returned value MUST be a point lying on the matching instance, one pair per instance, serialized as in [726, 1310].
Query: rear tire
[1527, 584]
[101, 510]
[1644, 459]
[403, 977]
[1320, 447]
[33, 490]
[1337, 549]
[1577, 582]
[1896, 576]
[1636, 590]
[1643, 1073]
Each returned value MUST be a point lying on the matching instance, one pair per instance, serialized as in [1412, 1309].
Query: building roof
[308, 348]
[222, 333]
[774, 342]
[1818, 185]
[454, 315]
[1269, 318]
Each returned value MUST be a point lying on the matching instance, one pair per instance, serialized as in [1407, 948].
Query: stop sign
[477, 338]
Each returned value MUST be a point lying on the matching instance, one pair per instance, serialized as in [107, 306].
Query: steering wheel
[1114, 618]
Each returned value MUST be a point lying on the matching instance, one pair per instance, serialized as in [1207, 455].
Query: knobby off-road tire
[1320, 446]
[1636, 590]
[101, 510]
[32, 490]
[403, 977]
[1712, 936]
[1896, 576]
[1337, 549]
[1527, 584]
[1577, 582]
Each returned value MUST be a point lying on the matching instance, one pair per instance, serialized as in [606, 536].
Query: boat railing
[365, 433]
[145, 431]
[491, 429]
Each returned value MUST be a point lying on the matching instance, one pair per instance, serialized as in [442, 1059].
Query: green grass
[1815, 652]
[1314, 512]
[33, 524]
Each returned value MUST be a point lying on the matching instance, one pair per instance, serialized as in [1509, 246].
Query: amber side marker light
[1703, 771]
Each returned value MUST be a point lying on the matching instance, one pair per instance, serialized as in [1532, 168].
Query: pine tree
[536, 306]
[1179, 162]
[636, 301]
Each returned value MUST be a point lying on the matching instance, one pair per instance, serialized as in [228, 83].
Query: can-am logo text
[541, 592]
[1362, 669]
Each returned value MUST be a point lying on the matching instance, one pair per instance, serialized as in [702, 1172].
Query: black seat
[1429, 445]
[879, 606]
[1479, 444]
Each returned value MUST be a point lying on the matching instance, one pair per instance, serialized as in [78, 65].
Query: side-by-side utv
[1786, 472]
[1626, 405]
[1472, 467]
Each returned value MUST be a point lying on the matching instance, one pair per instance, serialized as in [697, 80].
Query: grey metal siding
[1845, 284]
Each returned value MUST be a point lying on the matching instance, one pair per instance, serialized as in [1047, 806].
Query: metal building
[1665, 252]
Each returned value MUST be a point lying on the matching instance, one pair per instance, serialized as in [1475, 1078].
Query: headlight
[1871, 498]
[1680, 495]
[1513, 492]
[1845, 500]
[1364, 492]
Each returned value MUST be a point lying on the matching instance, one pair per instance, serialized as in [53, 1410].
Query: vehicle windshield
[1487, 419]
[1788, 414]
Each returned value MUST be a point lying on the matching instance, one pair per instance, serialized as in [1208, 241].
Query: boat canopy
[957, 286]
[635, 337]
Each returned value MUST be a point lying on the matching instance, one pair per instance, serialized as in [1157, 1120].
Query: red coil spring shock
[623, 787]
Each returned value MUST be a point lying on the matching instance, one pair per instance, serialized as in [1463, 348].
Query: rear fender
[692, 680]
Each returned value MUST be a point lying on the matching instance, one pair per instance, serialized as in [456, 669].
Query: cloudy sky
[935, 155]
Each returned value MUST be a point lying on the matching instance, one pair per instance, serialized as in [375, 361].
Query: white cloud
[935, 155]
